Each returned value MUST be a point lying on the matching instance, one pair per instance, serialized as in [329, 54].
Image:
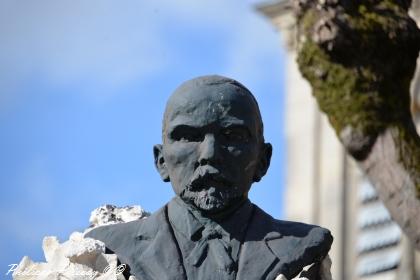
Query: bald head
[211, 97]
[213, 146]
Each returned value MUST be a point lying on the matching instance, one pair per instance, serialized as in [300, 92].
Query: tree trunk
[359, 57]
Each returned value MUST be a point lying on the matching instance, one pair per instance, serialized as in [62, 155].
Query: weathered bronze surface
[212, 150]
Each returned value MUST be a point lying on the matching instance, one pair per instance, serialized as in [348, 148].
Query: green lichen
[364, 82]
[408, 142]
[349, 95]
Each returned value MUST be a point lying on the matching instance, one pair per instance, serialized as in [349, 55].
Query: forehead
[222, 103]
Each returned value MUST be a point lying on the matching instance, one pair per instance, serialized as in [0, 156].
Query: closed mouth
[208, 180]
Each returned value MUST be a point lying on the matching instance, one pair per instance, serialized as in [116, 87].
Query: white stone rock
[49, 245]
[81, 258]
[83, 250]
[78, 259]
[282, 277]
[324, 271]
[111, 214]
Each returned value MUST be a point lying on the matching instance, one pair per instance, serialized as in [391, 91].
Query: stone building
[325, 187]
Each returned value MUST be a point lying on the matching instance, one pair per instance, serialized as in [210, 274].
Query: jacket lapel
[257, 260]
[159, 256]
[272, 248]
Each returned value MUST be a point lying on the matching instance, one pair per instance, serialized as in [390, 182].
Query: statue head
[213, 145]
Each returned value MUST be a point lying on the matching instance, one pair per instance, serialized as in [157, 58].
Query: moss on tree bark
[359, 57]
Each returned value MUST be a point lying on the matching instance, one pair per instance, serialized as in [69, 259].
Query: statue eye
[190, 137]
[186, 134]
[236, 134]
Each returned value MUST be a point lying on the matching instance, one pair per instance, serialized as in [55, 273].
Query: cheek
[244, 157]
[180, 155]
[242, 152]
[234, 151]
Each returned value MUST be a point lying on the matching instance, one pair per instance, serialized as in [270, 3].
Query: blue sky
[83, 85]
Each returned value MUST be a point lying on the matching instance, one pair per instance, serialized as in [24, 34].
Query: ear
[160, 163]
[264, 163]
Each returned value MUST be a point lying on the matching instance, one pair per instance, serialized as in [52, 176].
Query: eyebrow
[191, 128]
[181, 127]
[231, 122]
[172, 128]
[237, 125]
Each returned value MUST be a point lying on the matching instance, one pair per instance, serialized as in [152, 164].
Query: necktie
[213, 245]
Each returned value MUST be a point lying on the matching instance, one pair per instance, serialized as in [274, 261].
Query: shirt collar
[190, 222]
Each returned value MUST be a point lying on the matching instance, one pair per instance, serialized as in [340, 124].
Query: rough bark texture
[360, 56]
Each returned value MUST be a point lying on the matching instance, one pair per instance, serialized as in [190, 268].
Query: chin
[210, 204]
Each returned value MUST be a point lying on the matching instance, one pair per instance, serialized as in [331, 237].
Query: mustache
[208, 176]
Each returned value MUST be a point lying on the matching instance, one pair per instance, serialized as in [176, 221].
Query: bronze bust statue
[212, 150]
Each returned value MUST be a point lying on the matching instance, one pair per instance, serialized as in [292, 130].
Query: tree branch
[359, 57]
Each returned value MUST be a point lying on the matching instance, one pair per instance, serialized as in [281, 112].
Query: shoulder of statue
[284, 237]
[274, 227]
[295, 244]
[116, 236]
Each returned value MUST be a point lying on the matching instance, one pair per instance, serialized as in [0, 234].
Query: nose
[208, 150]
